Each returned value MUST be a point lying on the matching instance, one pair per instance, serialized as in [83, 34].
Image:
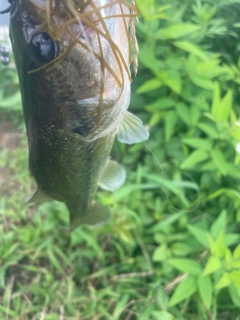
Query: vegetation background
[171, 250]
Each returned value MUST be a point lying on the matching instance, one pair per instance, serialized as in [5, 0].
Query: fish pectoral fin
[131, 130]
[97, 215]
[37, 196]
[113, 176]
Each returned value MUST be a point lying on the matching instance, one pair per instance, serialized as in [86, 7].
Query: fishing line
[114, 51]
[165, 188]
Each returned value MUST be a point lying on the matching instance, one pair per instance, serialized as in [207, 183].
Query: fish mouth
[60, 33]
[101, 24]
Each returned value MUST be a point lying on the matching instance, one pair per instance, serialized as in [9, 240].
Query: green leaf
[219, 224]
[226, 106]
[14, 102]
[216, 101]
[235, 277]
[170, 124]
[171, 79]
[195, 115]
[149, 85]
[192, 48]
[228, 259]
[55, 261]
[146, 313]
[163, 315]
[221, 108]
[232, 170]
[210, 69]
[199, 234]
[218, 246]
[155, 118]
[234, 294]
[236, 252]
[9, 312]
[205, 289]
[224, 281]
[180, 249]
[208, 129]
[202, 82]
[202, 72]
[162, 298]
[213, 265]
[166, 222]
[120, 306]
[184, 290]
[160, 104]
[148, 59]
[183, 113]
[231, 193]
[161, 253]
[178, 31]
[198, 143]
[219, 161]
[232, 238]
[150, 11]
[185, 265]
[194, 158]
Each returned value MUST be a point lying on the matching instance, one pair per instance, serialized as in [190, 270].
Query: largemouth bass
[73, 58]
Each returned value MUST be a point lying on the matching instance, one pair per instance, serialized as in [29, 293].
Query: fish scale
[54, 169]
[75, 91]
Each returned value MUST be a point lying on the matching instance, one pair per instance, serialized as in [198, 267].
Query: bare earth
[10, 139]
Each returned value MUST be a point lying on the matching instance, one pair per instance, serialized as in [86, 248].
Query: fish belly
[67, 168]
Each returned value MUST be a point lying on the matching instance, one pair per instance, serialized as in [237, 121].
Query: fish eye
[42, 48]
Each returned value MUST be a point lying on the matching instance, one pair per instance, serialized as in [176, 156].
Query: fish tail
[97, 215]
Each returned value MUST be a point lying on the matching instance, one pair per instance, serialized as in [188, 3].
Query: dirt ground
[10, 139]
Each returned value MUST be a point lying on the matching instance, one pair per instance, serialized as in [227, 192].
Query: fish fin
[131, 130]
[37, 196]
[113, 176]
[97, 215]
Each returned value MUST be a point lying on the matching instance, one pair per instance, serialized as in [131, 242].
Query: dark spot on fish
[42, 48]
[78, 120]
[81, 130]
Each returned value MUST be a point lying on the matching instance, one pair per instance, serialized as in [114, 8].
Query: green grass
[126, 269]
[88, 274]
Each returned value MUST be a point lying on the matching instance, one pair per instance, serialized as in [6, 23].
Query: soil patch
[10, 139]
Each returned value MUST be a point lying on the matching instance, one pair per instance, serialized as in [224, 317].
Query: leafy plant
[171, 250]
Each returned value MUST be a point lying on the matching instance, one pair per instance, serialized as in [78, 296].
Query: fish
[73, 62]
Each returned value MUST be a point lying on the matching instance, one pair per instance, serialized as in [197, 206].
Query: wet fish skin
[65, 167]
[66, 161]
[62, 176]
